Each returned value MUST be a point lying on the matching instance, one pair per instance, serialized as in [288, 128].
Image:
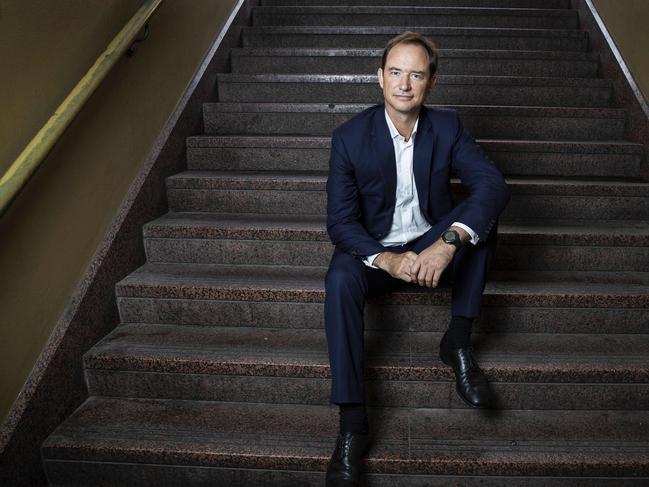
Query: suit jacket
[361, 188]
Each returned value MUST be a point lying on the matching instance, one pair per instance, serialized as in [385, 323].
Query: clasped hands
[425, 268]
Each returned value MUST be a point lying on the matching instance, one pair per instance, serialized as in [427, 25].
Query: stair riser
[427, 3]
[510, 163]
[480, 126]
[385, 393]
[521, 206]
[508, 257]
[397, 317]
[76, 474]
[447, 65]
[567, 19]
[443, 41]
[442, 94]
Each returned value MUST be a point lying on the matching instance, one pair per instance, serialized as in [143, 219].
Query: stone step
[514, 157]
[280, 365]
[428, 3]
[408, 16]
[444, 37]
[451, 62]
[304, 194]
[521, 123]
[193, 442]
[448, 90]
[209, 238]
[292, 296]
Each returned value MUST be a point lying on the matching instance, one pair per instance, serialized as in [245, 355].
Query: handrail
[32, 156]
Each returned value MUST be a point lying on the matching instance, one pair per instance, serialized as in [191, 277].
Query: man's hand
[397, 265]
[431, 263]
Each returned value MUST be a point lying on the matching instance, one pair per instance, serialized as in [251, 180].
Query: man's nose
[404, 82]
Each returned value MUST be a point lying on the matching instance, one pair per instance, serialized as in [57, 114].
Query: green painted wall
[626, 20]
[50, 233]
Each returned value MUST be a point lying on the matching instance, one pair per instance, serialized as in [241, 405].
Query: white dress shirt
[408, 223]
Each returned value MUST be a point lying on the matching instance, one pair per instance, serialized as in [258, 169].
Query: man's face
[406, 80]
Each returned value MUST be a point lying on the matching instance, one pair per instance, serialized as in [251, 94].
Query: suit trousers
[349, 282]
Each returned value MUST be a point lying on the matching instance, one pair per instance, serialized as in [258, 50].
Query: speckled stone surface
[427, 441]
[449, 90]
[381, 315]
[283, 283]
[559, 4]
[301, 240]
[304, 194]
[451, 61]
[523, 123]
[529, 158]
[408, 16]
[390, 355]
[445, 37]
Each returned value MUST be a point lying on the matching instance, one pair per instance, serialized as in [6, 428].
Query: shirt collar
[394, 133]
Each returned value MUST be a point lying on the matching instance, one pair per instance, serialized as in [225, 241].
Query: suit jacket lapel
[384, 154]
[422, 159]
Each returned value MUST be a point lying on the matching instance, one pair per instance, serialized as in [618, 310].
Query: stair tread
[411, 355]
[442, 441]
[306, 284]
[428, 31]
[316, 181]
[443, 53]
[352, 108]
[248, 141]
[384, 9]
[541, 81]
[299, 227]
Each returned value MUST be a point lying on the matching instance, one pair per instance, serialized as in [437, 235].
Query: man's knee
[345, 281]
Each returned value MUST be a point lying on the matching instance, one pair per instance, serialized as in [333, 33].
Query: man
[392, 218]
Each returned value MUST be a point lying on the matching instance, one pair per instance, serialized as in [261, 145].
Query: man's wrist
[453, 238]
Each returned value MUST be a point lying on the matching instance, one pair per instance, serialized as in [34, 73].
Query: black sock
[353, 419]
[458, 334]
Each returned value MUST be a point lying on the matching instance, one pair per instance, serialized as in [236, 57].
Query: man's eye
[416, 77]
[395, 73]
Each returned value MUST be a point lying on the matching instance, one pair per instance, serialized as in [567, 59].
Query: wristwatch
[451, 237]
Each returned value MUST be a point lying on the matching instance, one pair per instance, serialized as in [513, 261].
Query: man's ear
[379, 73]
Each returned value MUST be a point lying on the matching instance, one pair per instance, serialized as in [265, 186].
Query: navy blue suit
[361, 194]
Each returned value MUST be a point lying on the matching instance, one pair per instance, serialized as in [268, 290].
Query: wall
[50, 233]
[626, 20]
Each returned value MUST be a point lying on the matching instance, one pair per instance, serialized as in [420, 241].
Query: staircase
[218, 372]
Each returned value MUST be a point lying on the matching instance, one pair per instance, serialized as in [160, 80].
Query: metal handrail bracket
[32, 156]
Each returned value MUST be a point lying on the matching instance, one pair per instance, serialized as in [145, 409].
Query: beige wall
[49, 235]
[627, 20]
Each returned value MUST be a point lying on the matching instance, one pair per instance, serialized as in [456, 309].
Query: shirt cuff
[474, 236]
[369, 260]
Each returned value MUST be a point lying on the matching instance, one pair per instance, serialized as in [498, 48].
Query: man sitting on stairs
[392, 218]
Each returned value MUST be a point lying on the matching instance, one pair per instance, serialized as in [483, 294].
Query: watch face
[449, 236]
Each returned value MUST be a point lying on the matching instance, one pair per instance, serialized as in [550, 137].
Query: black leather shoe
[345, 465]
[471, 385]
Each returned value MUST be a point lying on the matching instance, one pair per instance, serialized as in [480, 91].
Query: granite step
[291, 366]
[212, 238]
[546, 4]
[548, 158]
[521, 123]
[451, 62]
[448, 90]
[444, 37]
[408, 16]
[224, 442]
[292, 296]
[304, 194]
